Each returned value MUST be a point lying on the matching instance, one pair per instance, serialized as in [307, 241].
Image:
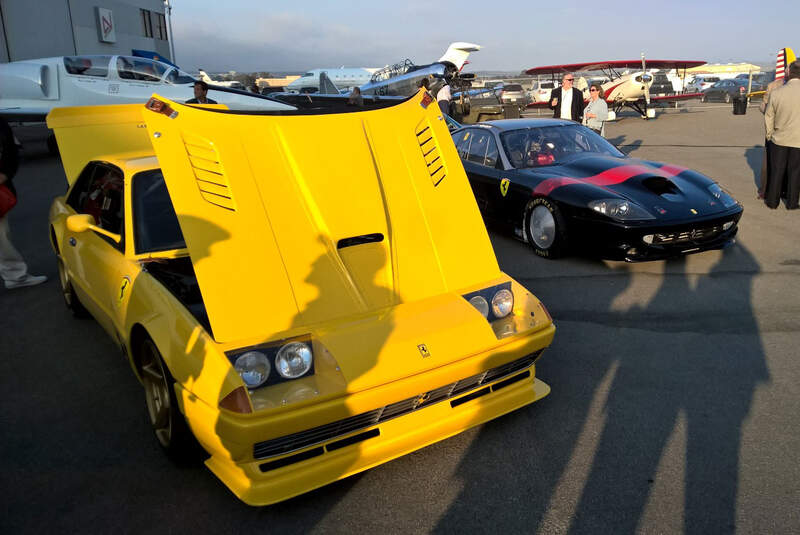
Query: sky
[246, 36]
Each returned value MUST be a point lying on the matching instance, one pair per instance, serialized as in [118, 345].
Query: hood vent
[661, 186]
[208, 172]
[430, 152]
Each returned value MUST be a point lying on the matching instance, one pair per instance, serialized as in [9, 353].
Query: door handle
[73, 242]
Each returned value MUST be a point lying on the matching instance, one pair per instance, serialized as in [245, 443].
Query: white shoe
[29, 280]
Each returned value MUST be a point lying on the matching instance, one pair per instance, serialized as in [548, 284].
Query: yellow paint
[504, 186]
[264, 202]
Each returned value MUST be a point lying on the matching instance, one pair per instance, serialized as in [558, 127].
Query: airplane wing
[683, 96]
[620, 64]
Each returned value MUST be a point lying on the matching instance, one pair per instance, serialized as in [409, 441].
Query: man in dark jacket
[566, 101]
[200, 94]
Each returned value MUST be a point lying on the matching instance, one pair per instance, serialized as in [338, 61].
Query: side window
[87, 65]
[458, 138]
[81, 188]
[463, 147]
[477, 150]
[101, 196]
[155, 224]
[491, 153]
[141, 69]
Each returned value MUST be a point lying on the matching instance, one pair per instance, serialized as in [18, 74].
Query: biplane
[624, 89]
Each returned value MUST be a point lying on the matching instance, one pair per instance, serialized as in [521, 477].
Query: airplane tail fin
[205, 77]
[785, 58]
[457, 53]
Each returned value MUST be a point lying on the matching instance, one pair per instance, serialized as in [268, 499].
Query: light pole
[168, 8]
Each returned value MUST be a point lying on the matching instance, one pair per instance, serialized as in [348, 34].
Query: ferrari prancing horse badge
[504, 186]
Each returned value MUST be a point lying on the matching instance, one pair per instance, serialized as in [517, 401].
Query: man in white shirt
[566, 101]
[443, 98]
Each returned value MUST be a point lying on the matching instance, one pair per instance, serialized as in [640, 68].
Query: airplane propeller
[646, 86]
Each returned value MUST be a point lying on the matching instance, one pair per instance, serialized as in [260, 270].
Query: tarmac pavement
[675, 403]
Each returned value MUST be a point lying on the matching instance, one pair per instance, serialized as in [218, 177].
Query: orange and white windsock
[785, 58]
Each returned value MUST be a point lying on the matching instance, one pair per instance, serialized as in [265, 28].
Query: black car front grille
[695, 235]
[324, 433]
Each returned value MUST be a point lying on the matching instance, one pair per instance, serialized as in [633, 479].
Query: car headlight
[273, 362]
[721, 195]
[494, 302]
[620, 209]
[253, 367]
[293, 360]
[502, 303]
[481, 304]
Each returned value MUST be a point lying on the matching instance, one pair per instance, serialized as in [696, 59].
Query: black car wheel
[70, 299]
[169, 425]
[545, 228]
[727, 98]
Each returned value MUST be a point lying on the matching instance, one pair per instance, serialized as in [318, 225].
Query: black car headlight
[493, 303]
[274, 362]
[722, 196]
[620, 209]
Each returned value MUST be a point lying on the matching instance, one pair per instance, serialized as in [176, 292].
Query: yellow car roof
[296, 220]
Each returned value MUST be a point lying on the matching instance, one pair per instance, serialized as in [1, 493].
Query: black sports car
[562, 187]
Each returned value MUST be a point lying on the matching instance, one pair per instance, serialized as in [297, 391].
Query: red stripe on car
[609, 177]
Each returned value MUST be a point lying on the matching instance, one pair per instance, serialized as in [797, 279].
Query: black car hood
[666, 191]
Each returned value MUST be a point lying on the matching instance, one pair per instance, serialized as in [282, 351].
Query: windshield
[178, 77]
[551, 145]
[155, 224]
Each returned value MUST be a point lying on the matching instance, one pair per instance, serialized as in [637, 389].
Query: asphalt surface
[675, 404]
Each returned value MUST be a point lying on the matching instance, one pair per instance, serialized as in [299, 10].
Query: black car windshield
[155, 223]
[552, 145]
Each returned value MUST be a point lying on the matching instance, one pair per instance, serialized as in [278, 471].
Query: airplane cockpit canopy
[127, 68]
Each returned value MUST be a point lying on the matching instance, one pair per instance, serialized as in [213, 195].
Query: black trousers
[784, 173]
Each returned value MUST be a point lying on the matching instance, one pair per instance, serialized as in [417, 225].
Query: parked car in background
[542, 90]
[514, 94]
[724, 90]
[562, 188]
[700, 83]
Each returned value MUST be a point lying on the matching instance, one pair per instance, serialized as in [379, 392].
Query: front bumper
[616, 241]
[263, 475]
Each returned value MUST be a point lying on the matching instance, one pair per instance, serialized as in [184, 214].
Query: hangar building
[43, 28]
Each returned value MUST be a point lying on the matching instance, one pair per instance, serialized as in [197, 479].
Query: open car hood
[292, 219]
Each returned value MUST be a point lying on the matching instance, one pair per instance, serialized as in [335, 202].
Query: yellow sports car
[305, 295]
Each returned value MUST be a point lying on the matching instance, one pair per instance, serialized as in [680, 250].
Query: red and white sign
[105, 26]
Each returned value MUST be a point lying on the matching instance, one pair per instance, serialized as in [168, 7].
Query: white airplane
[235, 84]
[30, 89]
[343, 77]
[626, 89]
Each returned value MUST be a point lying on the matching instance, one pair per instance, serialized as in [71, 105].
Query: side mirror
[84, 222]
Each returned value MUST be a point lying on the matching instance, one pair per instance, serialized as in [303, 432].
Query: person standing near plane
[13, 269]
[443, 98]
[595, 114]
[566, 101]
[782, 121]
[762, 187]
[200, 94]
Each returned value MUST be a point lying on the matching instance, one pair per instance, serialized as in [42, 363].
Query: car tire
[546, 228]
[727, 98]
[168, 423]
[71, 300]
